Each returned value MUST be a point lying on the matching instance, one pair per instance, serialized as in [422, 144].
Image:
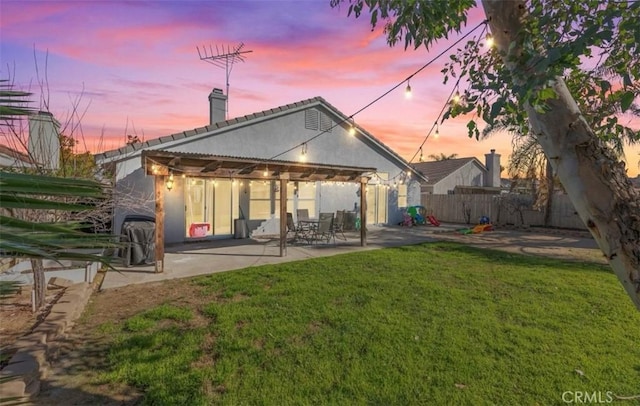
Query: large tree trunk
[590, 173]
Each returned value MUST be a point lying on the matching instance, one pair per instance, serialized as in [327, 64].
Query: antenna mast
[223, 58]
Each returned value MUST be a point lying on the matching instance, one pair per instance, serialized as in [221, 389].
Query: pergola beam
[160, 163]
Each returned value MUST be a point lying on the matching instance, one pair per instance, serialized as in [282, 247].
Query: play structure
[484, 224]
[417, 215]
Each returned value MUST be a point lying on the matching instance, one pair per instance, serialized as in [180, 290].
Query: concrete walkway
[192, 259]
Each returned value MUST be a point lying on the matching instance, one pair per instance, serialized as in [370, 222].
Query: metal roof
[159, 162]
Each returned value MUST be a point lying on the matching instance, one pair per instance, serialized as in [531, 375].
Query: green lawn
[436, 323]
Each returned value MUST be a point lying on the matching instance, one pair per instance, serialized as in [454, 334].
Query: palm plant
[442, 157]
[30, 226]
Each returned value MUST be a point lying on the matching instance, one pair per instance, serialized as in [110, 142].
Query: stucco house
[10, 158]
[232, 170]
[447, 175]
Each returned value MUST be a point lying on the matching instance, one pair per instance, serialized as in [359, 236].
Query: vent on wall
[315, 120]
[325, 122]
[311, 119]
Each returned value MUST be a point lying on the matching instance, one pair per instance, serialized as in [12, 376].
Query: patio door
[210, 207]
[376, 204]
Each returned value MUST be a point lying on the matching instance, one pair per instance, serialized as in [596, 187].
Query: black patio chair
[324, 230]
[338, 225]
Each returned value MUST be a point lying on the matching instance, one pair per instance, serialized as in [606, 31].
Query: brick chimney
[217, 106]
[493, 169]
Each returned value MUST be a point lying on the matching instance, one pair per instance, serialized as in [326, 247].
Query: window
[307, 197]
[290, 196]
[260, 200]
[402, 195]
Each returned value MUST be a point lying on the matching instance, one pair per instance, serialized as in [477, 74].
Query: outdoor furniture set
[311, 230]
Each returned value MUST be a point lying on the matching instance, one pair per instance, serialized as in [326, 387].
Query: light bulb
[303, 153]
[407, 91]
[170, 182]
[456, 97]
[490, 42]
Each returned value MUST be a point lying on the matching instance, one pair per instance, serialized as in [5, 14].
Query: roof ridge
[207, 128]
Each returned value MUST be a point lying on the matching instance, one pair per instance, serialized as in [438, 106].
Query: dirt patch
[560, 244]
[72, 379]
[18, 319]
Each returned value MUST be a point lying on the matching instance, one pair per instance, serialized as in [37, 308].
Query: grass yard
[436, 323]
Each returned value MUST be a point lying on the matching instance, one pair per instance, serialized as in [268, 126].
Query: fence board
[467, 209]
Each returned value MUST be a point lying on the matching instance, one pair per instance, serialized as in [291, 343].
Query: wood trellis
[161, 164]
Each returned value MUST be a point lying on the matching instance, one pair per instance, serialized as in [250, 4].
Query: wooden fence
[501, 209]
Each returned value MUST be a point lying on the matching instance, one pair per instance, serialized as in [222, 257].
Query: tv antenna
[223, 58]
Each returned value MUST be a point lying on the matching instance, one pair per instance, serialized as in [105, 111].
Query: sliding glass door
[210, 207]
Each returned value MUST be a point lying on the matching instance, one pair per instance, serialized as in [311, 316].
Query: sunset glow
[132, 68]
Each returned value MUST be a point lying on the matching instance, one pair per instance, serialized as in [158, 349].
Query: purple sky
[134, 67]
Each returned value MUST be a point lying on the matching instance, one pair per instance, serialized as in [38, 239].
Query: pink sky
[135, 68]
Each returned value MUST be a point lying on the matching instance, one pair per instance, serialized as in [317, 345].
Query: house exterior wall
[469, 174]
[9, 161]
[267, 139]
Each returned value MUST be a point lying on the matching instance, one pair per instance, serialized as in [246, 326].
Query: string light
[170, 182]
[352, 127]
[489, 40]
[421, 155]
[407, 90]
[437, 133]
[303, 153]
[266, 172]
[456, 97]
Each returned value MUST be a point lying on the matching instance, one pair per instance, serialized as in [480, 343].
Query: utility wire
[446, 50]
[444, 107]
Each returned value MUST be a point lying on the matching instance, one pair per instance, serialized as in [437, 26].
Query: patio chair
[291, 227]
[338, 225]
[302, 225]
[323, 232]
[303, 214]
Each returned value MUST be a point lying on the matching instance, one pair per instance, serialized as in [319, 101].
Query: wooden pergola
[161, 164]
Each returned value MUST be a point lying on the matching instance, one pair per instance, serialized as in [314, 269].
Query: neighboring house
[10, 158]
[43, 145]
[635, 182]
[216, 171]
[446, 175]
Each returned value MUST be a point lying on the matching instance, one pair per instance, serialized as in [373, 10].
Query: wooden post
[284, 178]
[159, 233]
[363, 211]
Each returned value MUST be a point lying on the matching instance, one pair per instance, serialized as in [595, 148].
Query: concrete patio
[200, 258]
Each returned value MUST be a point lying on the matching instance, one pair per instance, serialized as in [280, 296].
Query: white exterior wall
[267, 139]
[469, 174]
